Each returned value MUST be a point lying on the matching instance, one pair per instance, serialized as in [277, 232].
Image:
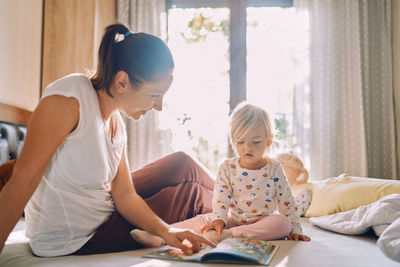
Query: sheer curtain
[144, 137]
[344, 118]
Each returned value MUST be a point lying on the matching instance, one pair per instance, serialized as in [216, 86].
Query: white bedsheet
[326, 249]
[383, 216]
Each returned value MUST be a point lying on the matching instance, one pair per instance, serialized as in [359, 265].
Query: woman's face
[138, 101]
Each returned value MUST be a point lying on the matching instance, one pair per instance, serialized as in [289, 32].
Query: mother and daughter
[72, 178]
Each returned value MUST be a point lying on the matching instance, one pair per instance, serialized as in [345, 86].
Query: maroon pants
[175, 187]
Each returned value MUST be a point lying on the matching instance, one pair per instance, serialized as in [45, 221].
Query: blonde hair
[290, 159]
[245, 118]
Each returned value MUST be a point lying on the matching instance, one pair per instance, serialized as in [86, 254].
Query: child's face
[251, 148]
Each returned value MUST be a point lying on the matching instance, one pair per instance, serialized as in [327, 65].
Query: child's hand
[298, 237]
[218, 225]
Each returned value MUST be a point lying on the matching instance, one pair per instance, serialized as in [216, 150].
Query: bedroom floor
[324, 249]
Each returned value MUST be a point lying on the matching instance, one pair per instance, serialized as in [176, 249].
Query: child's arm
[287, 205]
[221, 199]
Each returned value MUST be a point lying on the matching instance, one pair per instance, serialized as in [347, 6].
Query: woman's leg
[272, 227]
[176, 187]
[178, 181]
[173, 169]
[111, 236]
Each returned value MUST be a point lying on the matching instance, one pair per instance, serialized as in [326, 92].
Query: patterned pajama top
[249, 195]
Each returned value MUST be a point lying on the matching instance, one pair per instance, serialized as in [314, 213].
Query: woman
[72, 174]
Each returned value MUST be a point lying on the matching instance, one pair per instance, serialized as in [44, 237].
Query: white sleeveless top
[73, 198]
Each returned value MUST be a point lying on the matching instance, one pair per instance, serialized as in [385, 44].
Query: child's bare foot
[147, 239]
[214, 237]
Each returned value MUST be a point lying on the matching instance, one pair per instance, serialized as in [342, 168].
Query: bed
[325, 248]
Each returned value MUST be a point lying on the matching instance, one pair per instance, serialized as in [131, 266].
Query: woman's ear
[121, 81]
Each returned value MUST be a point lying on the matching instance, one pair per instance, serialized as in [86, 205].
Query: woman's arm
[53, 119]
[135, 210]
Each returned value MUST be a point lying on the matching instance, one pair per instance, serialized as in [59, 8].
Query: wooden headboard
[14, 115]
[13, 121]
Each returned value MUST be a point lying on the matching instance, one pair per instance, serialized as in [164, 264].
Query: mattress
[325, 249]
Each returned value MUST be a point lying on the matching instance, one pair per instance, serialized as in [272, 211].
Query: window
[270, 76]
[227, 52]
[197, 105]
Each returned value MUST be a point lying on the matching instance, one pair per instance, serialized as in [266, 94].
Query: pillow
[6, 170]
[345, 193]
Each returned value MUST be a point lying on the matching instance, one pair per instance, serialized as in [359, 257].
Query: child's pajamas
[303, 201]
[272, 227]
[249, 195]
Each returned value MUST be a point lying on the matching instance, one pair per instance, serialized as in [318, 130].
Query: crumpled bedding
[389, 241]
[383, 216]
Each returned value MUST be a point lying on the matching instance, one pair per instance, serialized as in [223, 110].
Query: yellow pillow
[345, 193]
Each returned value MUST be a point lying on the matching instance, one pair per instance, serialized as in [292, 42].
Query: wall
[30, 60]
[72, 34]
[396, 70]
[20, 52]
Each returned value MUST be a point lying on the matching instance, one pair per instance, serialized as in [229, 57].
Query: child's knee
[284, 223]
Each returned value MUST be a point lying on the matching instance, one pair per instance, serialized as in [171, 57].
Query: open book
[244, 250]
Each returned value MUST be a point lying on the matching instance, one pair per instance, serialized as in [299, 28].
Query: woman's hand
[217, 224]
[187, 240]
[298, 237]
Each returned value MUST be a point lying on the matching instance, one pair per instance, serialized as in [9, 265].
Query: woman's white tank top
[73, 198]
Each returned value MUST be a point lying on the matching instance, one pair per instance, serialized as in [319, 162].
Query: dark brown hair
[144, 57]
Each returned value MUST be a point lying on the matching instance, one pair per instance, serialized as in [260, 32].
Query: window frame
[237, 39]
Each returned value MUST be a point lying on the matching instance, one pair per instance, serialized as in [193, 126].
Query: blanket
[383, 216]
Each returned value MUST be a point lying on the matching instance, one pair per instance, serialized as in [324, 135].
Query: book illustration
[231, 250]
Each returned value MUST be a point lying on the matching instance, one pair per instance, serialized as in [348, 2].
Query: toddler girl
[249, 189]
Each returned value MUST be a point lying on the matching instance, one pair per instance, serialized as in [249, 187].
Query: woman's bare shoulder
[56, 111]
